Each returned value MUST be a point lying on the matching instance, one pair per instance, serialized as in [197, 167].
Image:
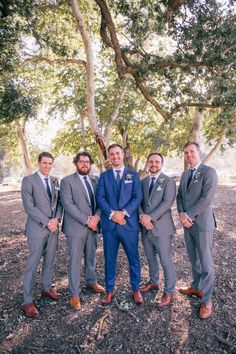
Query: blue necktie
[48, 189]
[151, 185]
[91, 196]
[190, 177]
[118, 180]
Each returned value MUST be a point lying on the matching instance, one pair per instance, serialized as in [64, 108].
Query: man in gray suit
[80, 225]
[40, 196]
[194, 203]
[157, 227]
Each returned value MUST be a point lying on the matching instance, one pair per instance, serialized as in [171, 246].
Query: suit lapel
[157, 182]
[113, 181]
[122, 184]
[52, 185]
[199, 170]
[94, 189]
[40, 183]
[146, 188]
[185, 181]
[81, 186]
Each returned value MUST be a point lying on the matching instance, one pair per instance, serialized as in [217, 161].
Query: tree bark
[116, 110]
[24, 149]
[216, 147]
[195, 130]
[89, 80]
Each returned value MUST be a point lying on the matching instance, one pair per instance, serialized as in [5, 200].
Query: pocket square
[159, 188]
[127, 181]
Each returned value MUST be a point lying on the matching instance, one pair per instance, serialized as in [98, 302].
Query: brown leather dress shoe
[205, 310]
[108, 298]
[148, 287]
[31, 311]
[96, 288]
[166, 299]
[51, 294]
[75, 302]
[138, 297]
[190, 292]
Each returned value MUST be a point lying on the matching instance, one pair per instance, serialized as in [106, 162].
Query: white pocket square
[126, 181]
[159, 188]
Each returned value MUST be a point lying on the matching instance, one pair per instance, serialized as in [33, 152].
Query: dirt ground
[124, 327]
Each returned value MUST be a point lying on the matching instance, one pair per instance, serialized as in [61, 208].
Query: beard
[83, 172]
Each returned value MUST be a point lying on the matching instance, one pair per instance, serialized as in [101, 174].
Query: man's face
[83, 165]
[116, 157]
[192, 155]
[45, 165]
[154, 164]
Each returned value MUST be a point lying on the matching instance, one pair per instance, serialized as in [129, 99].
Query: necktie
[151, 185]
[91, 196]
[118, 176]
[190, 177]
[118, 180]
[48, 189]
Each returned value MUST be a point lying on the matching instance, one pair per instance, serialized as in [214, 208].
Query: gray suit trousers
[39, 247]
[79, 246]
[199, 247]
[159, 247]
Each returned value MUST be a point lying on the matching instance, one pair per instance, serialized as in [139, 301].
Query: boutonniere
[197, 176]
[128, 177]
[160, 179]
[56, 184]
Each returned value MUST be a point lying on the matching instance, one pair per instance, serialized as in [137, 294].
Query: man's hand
[146, 221]
[53, 225]
[93, 222]
[185, 221]
[118, 217]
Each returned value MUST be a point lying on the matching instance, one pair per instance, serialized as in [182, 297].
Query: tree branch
[129, 68]
[216, 147]
[116, 110]
[38, 58]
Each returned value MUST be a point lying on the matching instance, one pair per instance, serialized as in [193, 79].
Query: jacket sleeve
[179, 197]
[29, 205]
[167, 200]
[69, 205]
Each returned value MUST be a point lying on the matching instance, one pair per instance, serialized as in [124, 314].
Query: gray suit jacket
[197, 200]
[38, 206]
[158, 205]
[76, 205]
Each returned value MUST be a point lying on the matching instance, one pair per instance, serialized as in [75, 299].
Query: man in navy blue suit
[119, 195]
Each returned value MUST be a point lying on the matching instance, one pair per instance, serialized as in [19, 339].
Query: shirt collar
[156, 176]
[42, 176]
[121, 169]
[196, 166]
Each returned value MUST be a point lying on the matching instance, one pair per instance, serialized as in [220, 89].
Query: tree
[17, 106]
[182, 49]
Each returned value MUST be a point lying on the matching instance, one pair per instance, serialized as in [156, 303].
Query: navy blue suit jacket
[129, 198]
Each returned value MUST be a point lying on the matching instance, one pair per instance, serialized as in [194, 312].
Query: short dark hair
[156, 153]
[192, 143]
[114, 145]
[45, 154]
[82, 153]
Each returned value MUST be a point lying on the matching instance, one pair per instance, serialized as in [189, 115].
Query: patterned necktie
[151, 185]
[91, 195]
[190, 177]
[48, 189]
